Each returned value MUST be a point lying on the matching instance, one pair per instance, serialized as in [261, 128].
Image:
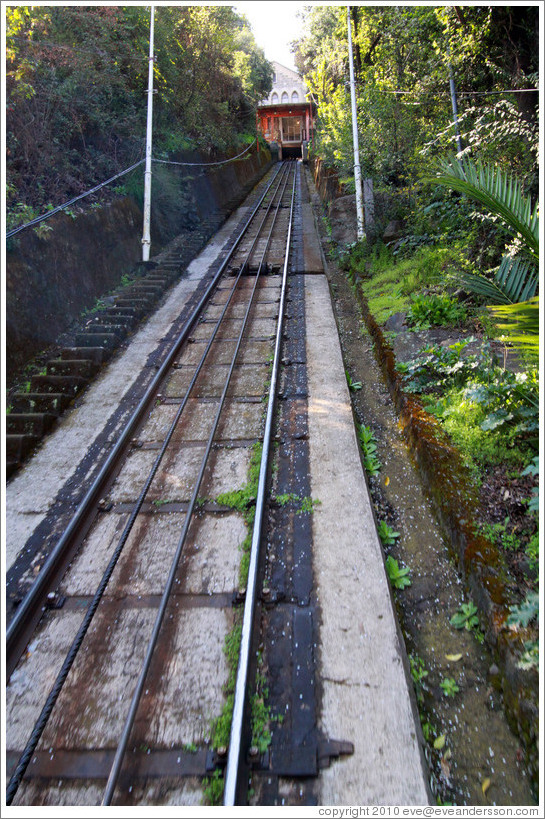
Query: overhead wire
[62, 207]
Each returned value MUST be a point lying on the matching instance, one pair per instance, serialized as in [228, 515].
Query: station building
[286, 117]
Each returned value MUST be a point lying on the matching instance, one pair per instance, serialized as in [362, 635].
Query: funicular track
[96, 683]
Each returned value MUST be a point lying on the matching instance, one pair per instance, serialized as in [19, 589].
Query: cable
[203, 164]
[107, 182]
[469, 93]
[71, 202]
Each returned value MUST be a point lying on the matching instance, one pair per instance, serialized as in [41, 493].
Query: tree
[403, 57]
[76, 77]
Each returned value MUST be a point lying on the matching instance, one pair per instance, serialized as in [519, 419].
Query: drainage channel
[473, 756]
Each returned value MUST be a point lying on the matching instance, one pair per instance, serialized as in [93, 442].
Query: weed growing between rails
[243, 501]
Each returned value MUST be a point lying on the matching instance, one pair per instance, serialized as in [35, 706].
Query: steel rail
[70, 657]
[235, 741]
[27, 609]
[47, 709]
[137, 693]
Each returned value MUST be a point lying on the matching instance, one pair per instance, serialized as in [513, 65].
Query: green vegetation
[449, 686]
[418, 674]
[243, 501]
[158, 503]
[435, 309]
[213, 788]
[491, 414]
[368, 444]
[466, 617]
[467, 255]
[521, 616]
[404, 108]
[78, 76]
[353, 386]
[306, 505]
[527, 611]
[261, 717]
[386, 534]
[399, 577]
[390, 283]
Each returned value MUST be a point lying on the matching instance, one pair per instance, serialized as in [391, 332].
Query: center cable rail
[235, 741]
[281, 180]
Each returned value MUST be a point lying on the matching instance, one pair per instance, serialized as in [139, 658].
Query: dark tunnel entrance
[293, 152]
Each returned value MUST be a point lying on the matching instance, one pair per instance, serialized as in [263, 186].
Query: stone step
[51, 403]
[19, 446]
[146, 294]
[67, 384]
[138, 305]
[83, 367]
[29, 423]
[97, 355]
[107, 340]
[127, 312]
[12, 466]
[108, 317]
[118, 330]
[146, 291]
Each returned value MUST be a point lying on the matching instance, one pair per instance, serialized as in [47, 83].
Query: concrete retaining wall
[52, 278]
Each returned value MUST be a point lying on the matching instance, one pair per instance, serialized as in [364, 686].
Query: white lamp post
[146, 237]
[357, 167]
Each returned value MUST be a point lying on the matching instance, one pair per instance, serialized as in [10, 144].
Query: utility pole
[357, 167]
[453, 96]
[146, 237]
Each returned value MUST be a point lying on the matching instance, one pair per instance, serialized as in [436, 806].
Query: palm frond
[499, 192]
[520, 324]
[479, 284]
[516, 280]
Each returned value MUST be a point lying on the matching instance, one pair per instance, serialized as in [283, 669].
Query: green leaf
[520, 323]
[496, 419]
[528, 610]
[399, 578]
[499, 192]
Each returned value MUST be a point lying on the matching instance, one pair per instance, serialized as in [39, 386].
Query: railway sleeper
[302, 761]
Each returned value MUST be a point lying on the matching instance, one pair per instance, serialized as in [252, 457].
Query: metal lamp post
[357, 167]
[146, 237]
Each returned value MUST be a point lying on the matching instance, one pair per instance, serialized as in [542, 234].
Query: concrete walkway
[366, 697]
